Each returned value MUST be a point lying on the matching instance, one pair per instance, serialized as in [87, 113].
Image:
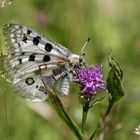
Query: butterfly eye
[80, 60]
[84, 54]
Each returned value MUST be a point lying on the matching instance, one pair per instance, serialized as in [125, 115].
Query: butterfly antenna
[84, 46]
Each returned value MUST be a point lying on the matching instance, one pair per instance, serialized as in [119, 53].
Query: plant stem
[101, 124]
[111, 103]
[84, 115]
[63, 114]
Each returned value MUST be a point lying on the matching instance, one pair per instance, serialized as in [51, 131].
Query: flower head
[91, 80]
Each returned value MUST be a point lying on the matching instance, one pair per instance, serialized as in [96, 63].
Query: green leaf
[114, 82]
[84, 115]
[63, 114]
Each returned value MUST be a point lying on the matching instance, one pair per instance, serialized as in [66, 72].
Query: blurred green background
[111, 24]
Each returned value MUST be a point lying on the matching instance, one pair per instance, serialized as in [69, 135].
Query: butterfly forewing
[31, 56]
[22, 39]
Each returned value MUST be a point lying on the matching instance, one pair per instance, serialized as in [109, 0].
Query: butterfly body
[32, 56]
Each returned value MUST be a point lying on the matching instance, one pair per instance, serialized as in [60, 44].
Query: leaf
[63, 114]
[114, 82]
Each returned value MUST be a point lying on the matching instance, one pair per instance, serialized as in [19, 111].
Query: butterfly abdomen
[65, 86]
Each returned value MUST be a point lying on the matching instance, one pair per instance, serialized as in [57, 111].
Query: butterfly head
[77, 60]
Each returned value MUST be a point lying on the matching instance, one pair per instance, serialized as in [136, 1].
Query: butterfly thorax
[74, 59]
[76, 62]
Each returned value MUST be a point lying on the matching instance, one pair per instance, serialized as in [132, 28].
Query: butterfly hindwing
[31, 88]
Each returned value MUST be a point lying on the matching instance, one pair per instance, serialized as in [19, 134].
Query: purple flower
[91, 80]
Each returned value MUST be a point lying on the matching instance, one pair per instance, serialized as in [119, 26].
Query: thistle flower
[91, 80]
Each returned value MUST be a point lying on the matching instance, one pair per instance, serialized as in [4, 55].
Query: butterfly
[32, 56]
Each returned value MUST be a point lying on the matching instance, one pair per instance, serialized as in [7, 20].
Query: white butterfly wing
[31, 56]
[22, 39]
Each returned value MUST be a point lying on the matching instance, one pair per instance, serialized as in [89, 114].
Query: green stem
[93, 134]
[111, 103]
[84, 115]
[63, 114]
[101, 125]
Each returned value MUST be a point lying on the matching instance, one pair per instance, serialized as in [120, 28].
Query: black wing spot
[25, 38]
[23, 53]
[20, 61]
[48, 47]
[32, 57]
[29, 81]
[28, 31]
[36, 40]
[46, 58]
[41, 88]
